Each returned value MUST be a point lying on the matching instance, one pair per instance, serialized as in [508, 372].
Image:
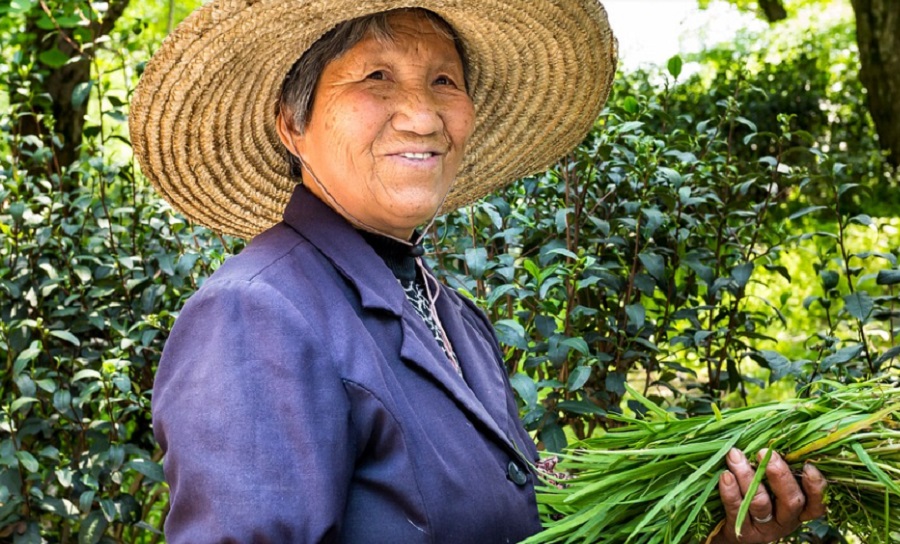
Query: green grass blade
[875, 469]
[751, 491]
[674, 494]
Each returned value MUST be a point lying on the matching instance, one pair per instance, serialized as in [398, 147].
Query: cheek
[462, 124]
[359, 124]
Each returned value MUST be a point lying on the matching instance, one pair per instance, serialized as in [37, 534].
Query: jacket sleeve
[254, 421]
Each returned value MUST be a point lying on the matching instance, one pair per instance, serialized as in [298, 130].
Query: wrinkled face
[388, 128]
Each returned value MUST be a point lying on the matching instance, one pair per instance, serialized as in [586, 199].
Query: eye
[377, 75]
[444, 80]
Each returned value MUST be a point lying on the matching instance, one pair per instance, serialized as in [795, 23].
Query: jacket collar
[349, 252]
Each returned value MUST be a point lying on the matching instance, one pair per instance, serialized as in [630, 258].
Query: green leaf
[742, 273]
[615, 383]
[154, 471]
[81, 92]
[578, 344]
[86, 500]
[54, 58]
[859, 305]
[674, 66]
[83, 273]
[704, 272]
[67, 336]
[562, 220]
[806, 211]
[553, 437]
[888, 355]
[876, 471]
[61, 400]
[630, 104]
[578, 377]
[746, 122]
[655, 265]
[778, 364]
[86, 373]
[888, 277]
[92, 528]
[26, 356]
[830, 279]
[18, 7]
[511, 333]
[28, 461]
[583, 407]
[636, 314]
[629, 126]
[122, 383]
[108, 507]
[841, 356]
[20, 402]
[564, 252]
[60, 507]
[525, 387]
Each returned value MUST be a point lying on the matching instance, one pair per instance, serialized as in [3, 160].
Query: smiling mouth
[417, 156]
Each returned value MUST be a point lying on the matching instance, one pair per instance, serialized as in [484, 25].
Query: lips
[417, 156]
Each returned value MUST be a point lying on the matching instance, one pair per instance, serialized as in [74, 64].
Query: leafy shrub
[93, 269]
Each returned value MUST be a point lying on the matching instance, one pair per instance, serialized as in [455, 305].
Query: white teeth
[416, 156]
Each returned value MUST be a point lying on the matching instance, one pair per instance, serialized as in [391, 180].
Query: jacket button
[516, 474]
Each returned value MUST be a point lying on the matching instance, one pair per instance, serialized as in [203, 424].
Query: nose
[417, 111]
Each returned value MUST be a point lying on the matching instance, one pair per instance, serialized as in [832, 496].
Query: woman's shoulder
[277, 265]
[267, 251]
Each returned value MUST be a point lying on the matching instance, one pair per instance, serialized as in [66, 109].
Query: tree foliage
[877, 26]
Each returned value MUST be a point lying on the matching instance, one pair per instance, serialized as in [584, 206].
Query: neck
[399, 257]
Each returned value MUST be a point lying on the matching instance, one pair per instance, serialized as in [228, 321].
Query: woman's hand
[772, 516]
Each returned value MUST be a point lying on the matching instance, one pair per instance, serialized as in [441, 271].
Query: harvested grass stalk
[654, 480]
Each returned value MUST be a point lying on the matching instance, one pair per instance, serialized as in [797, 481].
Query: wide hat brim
[202, 119]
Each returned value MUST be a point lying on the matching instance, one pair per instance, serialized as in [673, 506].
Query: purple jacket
[300, 398]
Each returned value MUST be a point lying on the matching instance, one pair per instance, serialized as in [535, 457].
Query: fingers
[771, 516]
[789, 498]
[814, 486]
[761, 504]
[731, 495]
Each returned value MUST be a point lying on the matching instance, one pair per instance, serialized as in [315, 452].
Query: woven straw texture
[202, 121]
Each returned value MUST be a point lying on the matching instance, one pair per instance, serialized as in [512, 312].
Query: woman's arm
[254, 421]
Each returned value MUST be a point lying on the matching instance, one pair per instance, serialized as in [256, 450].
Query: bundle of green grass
[654, 480]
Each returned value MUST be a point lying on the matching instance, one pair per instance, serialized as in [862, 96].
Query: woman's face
[388, 127]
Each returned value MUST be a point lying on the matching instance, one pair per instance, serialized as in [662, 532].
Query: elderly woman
[321, 385]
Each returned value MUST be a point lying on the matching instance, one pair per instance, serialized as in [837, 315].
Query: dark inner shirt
[402, 262]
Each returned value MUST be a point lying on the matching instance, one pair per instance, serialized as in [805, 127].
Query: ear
[290, 138]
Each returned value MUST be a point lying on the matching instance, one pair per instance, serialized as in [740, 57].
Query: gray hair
[295, 101]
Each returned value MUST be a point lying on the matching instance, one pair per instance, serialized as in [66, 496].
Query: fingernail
[734, 455]
[763, 452]
[728, 478]
[811, 473]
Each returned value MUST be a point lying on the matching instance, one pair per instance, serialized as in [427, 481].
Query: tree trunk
[878, 37]
[773, 10]
[68, 117]
[58, 85]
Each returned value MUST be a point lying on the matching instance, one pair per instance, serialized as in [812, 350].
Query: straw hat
[202, 121]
